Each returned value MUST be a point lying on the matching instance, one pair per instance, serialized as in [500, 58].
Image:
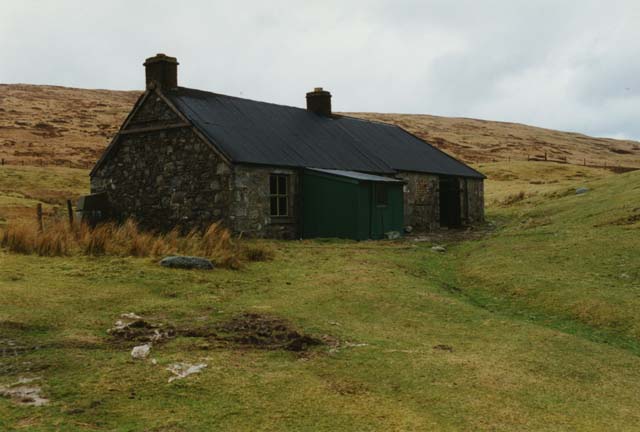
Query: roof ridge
[238, 97]
[335, 116]
[378, 122]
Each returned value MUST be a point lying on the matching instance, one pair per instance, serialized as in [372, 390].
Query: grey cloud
[561, 64]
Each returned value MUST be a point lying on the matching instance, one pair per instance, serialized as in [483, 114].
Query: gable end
[153, 112]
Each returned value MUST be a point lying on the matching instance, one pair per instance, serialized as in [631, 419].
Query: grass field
[531, 327]
[22, 188]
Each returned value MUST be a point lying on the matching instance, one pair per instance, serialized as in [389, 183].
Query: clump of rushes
[58, 238]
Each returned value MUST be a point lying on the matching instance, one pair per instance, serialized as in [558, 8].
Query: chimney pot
[161, 71]
[319, 101]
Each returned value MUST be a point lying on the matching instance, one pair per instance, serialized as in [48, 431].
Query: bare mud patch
[443, 347]
[132, 328]
[265, 332]
[246, 330]
[630, 219]
[13, 348]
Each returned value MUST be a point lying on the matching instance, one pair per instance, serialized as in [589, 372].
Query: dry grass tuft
[513, 198]
[534, 222]
[258, 253]
[60, 239]
[18, 238]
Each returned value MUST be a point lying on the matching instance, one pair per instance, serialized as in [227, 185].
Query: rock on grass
[187, 262]
[141, 352]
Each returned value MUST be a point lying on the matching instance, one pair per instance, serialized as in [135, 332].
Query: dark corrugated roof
[249, 131]
[357, 175]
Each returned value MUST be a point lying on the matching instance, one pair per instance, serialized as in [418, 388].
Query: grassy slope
[533, 178]
[509, 370]
[22, 188]
[571, 258]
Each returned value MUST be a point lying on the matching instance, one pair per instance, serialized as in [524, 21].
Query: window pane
[282, 185]
[274, 206]
[282, 206]
[273, 184]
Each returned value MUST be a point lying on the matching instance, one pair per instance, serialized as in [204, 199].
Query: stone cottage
[187, 158]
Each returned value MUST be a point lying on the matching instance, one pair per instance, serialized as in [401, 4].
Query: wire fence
[47, 163]
[612, 166]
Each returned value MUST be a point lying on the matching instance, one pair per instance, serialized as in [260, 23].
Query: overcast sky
[569, 65]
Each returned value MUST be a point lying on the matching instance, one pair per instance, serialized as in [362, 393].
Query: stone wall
[421, 201]
[170, 178]
[165, 179]
[250, 206]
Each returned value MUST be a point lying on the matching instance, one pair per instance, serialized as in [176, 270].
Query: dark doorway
[449, 202]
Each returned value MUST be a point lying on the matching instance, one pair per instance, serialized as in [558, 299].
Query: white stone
[23, 394]
[392, 235]
[183, 370]
[141, 352]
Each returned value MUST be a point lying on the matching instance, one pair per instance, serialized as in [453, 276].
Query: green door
[329, 206]
[386, 209]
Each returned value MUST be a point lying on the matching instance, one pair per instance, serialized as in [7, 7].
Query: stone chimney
[319, 101]
[161, 71]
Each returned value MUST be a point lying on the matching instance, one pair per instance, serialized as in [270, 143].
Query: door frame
[449, 202]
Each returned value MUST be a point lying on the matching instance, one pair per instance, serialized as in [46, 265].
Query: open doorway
[449, 202]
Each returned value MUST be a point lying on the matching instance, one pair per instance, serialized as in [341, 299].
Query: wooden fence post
[39, 213]
[70, 210]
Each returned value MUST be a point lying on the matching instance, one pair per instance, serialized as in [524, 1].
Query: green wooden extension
[348, 204]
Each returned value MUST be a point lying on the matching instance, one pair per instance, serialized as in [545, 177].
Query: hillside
[66, 126]
[485, 141]
[57, 125]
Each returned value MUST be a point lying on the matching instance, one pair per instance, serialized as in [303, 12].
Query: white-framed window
[279, 194]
